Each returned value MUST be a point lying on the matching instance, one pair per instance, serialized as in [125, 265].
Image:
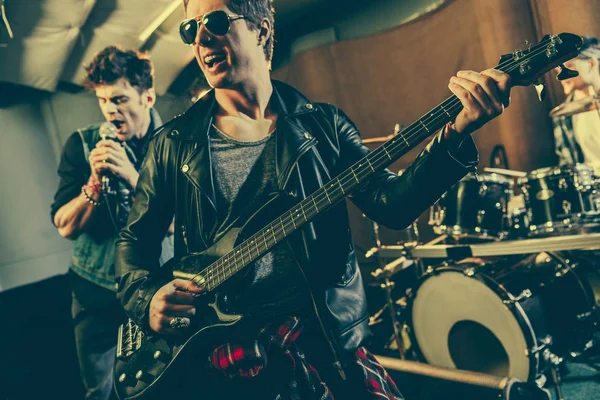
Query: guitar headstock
[526, 66]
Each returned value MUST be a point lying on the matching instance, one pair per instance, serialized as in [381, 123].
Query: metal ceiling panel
[45, 32]
[112, 22]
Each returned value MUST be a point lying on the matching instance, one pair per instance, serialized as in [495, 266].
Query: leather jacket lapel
[292, 141]
[196, 165]
[293, 138]
[197, 169]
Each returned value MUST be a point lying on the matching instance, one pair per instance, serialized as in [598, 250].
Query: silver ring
[179, 322]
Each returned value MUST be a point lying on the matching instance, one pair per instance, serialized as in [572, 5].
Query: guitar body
[160, 358]
[157, 358]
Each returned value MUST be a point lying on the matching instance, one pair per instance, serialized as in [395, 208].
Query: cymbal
[575, 107]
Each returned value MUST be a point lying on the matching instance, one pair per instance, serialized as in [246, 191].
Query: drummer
[577, 132]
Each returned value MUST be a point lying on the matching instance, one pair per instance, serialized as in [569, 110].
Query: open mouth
[214, 60]
[119, 125]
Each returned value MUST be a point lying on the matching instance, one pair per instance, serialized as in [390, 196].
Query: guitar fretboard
[328, 195]
[345, 183]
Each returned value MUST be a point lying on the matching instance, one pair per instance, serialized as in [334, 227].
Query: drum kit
[547, 201]
[511, 285]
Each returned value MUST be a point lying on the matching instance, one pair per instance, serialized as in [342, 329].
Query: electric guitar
[146, 360]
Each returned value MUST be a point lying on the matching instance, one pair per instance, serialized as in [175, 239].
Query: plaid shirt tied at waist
[245, 361]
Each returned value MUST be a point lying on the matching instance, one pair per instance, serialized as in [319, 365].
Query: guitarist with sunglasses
[244, 147]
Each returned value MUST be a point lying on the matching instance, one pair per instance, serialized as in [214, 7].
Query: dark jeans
[97, 315]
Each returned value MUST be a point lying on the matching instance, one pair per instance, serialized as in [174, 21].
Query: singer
[98, 175]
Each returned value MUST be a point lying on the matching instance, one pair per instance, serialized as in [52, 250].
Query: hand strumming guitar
[175, 299]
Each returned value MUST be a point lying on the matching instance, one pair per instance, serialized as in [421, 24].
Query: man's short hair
[255, 11]
[114, 63]
[590, 48]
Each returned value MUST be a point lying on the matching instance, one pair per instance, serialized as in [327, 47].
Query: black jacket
[314, 142]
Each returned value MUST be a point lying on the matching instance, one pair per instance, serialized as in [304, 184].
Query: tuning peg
[540, 88]
[566, 73]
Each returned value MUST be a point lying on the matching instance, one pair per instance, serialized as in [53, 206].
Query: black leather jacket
[314, 142]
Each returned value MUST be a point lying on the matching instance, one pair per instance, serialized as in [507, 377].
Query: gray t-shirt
[244, 177]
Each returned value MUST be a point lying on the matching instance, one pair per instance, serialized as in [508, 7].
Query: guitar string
[247, 245]
[449, 106]
[214, 269]
[285, 223]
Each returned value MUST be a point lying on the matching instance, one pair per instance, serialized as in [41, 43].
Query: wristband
[89, 199]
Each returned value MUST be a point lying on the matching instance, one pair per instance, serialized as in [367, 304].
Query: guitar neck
[522, 66]
[329, 194]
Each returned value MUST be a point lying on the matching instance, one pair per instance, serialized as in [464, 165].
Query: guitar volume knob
[127, 380]
[162, 356]
[144, 376]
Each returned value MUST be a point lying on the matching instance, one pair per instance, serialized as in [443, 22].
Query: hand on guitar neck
[483, 96]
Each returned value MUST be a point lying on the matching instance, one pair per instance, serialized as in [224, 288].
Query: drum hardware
[586, 104]
[376, 318]
[429, 271]
[545, 342]
[386, 271]
[587, 242]
[554, 361]
[392, 268]
[525, 294]
[566, 207]
[507, 172]
[388, 286]
[480, 215]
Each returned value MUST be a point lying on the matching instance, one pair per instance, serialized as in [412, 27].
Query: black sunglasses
[217, 22]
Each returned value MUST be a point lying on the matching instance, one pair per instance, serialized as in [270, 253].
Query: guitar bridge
[129, 339]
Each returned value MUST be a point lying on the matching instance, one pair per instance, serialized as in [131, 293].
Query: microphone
[107, 131]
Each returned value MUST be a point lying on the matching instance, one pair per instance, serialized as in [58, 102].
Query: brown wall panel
[398, 75]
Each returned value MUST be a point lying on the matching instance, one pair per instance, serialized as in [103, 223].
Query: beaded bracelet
[89, 199]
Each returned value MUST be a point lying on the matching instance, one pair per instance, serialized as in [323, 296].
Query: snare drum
[476, 206]
[560, 199]
[507, 322]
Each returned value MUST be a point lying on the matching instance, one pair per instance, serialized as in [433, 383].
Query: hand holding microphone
[108, 131]
[109, 159]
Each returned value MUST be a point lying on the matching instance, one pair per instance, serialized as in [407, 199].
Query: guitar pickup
[129, 339]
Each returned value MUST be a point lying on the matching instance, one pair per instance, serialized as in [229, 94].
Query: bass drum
[501, 321]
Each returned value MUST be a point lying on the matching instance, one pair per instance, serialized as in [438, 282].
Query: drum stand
[388, 286]
[387, 271]
[555, 363]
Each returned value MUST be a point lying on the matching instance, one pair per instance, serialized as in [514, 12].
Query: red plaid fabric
[238, 360]
[377, 381]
